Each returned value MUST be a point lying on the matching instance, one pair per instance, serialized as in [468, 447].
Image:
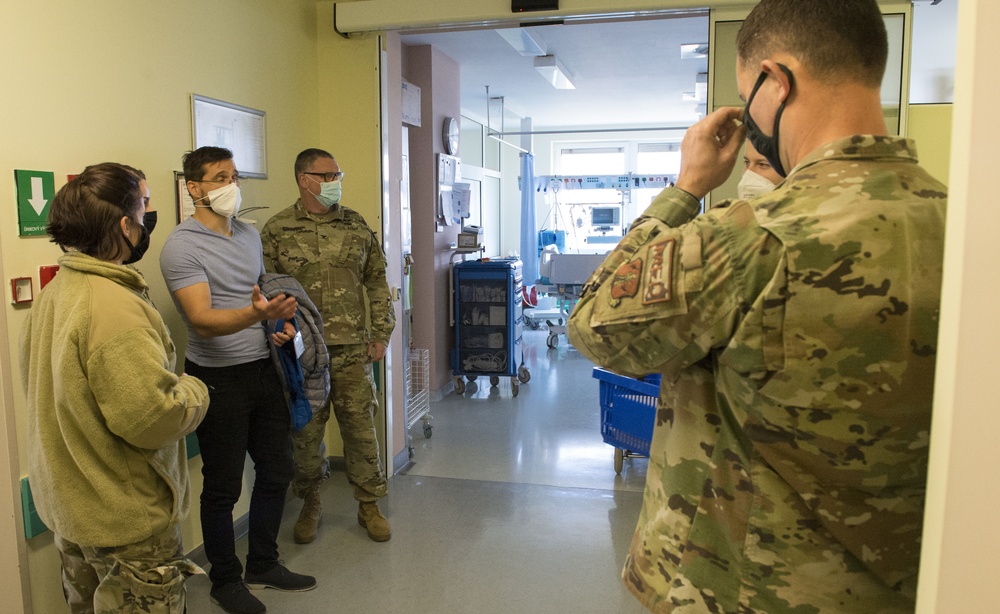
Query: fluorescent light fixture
[700, 93]
[691, 51]
[522, 41]
[554, 72]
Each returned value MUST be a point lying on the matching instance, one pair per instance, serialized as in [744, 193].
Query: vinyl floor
[512, 505]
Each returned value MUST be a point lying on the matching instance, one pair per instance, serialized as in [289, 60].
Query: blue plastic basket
[628, 410]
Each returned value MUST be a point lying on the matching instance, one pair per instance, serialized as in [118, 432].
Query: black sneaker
[235, 598]
[280, 578]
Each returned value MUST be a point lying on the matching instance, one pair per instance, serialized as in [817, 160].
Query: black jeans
[247, 413]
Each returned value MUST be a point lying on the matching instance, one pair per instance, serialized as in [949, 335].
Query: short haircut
[836, 40]
[305, 159]
[194, 161]
[86, 212]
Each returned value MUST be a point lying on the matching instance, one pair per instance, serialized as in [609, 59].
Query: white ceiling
[627, 73]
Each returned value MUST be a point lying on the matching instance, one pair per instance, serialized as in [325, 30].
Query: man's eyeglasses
[327, 177]
[233, 179]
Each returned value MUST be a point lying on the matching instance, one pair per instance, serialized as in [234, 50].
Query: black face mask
[767, 146]
[149, 221]
[137, 251]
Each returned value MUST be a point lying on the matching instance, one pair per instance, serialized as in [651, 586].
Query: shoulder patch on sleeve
[625, 283]
[658, 280]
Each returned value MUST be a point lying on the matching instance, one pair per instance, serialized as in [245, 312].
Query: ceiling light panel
[554, 72]
[694, 51]
[523, 41]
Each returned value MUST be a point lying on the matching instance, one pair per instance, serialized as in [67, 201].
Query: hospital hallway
[512, 505]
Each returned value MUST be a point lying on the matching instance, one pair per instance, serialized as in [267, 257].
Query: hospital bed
[561, 276]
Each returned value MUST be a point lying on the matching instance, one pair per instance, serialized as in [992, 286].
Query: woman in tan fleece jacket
[107, 414]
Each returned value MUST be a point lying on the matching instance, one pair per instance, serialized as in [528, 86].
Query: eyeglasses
[327, 177]
[233, 179]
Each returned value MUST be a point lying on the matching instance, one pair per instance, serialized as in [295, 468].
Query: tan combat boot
[309, 518]
[371, 518]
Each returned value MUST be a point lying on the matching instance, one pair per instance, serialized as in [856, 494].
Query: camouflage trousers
[147, 576]
[352, 397]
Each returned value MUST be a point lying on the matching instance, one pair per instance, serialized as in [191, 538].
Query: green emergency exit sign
[35, 190]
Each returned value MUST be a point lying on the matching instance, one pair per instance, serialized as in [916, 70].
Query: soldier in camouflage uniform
[337, 258]
[796, 334]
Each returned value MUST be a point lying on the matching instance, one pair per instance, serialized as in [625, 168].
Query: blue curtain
[529, 228]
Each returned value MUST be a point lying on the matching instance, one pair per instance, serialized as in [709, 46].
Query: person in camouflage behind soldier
[796, 334]
[331, 251]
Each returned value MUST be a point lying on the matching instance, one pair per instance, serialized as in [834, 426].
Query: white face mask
[753, 185]
[225, 200]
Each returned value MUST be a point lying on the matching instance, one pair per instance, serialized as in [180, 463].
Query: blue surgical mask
[329, 193]
[767, 146]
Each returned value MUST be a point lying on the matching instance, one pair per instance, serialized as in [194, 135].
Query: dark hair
[305, 159]
[835, 39]
[134, 171]
[194, 161]
[85, 213]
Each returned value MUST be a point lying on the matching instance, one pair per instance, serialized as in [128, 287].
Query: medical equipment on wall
[453, 195]
[578, 235]
[470, 237]
[605, 217]
[551, 237]
[595, 220]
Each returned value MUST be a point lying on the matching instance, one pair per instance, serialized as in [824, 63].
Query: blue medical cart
[628, 412]
[488, 322]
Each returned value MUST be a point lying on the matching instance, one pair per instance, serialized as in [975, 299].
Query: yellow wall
[105, 80]
[930, 126]
[349, 126]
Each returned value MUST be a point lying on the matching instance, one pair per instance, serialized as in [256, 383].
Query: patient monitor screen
[605, 216]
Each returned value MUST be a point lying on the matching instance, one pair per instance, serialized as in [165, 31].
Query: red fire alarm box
[20, 290]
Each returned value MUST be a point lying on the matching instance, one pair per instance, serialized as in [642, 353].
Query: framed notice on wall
[185, 205]
[239, 129]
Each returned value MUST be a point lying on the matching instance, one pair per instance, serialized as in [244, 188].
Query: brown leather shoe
[309, 518]
[371, 518]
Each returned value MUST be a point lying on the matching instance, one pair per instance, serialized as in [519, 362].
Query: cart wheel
[552, 341]
[459, 385]
[523, 374]
[514, 387]
[428, 431]
[534, 324]
[494, 380]
[619, 459]
[471, 378]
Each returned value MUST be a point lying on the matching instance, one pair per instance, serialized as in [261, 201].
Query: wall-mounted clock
[450, 135]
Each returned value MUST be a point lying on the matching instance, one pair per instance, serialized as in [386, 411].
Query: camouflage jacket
[338, 260]
[797, 337]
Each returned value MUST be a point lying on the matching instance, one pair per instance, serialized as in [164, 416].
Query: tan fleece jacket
[106, 412]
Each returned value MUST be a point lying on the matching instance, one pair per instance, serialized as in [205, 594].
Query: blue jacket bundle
[306, 378]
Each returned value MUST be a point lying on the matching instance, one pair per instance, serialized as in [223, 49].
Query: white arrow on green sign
[35, 190]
